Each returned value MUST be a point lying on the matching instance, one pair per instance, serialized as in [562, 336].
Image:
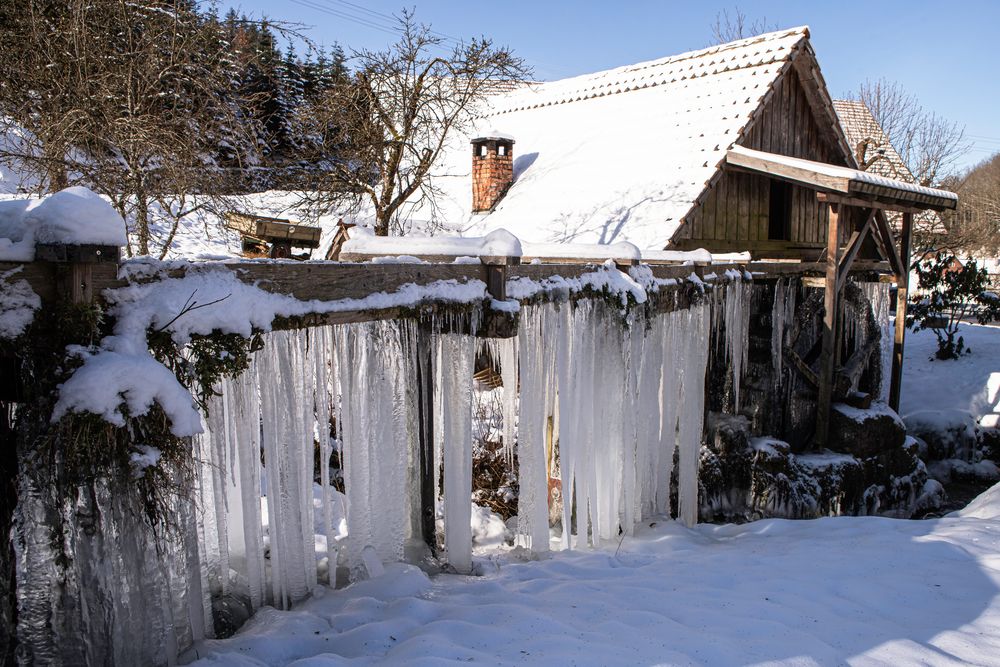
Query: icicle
[878, 297]
[508, 374]
[323, 399]
[287, 443]
[379, 435]
[457, 361]
[693, 361]
[778, 326]
[534, 337]
[647, 413]
[737, 332]
[669, 400]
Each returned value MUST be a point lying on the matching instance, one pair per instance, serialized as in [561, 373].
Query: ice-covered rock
[865, 432]
[946, 433]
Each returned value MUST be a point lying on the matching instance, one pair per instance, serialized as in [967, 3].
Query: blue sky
[946, 53]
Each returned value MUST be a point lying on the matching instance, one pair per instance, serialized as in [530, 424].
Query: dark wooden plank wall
[735, 209]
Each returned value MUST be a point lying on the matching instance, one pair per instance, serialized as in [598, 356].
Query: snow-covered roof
[622, 155]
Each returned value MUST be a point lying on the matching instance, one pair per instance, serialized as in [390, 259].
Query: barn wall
[733, 214]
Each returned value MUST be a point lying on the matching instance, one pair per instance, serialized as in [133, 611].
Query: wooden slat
[707, 221]
[299, 235]
[746, 195]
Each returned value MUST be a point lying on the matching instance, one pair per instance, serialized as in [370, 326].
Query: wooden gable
[739, 210]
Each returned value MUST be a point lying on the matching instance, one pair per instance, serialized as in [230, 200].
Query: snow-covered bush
[949, 293]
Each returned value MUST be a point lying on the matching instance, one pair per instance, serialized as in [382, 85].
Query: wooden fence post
[902, 294]
[828, 355]
[75, 266]
[425, 432]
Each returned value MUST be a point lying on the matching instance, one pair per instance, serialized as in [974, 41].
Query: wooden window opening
[779, 218]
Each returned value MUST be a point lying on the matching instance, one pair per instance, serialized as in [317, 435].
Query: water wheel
[857, 374]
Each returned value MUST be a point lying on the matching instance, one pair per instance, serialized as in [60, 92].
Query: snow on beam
[844, 180]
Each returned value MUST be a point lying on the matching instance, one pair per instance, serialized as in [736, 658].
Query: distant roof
[622, 155]
[869, 143]
[876, 155]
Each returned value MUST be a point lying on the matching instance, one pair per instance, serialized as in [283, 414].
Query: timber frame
[80, 275]
[841, 188]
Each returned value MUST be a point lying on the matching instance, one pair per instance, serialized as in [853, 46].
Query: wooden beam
[868, 201]
[902, 294]
[828, 355]
[785, 172]
[853, 246]
[894, 194]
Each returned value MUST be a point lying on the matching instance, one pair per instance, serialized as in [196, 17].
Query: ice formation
[878, 297]
[782, 315]
[599, 396]
[734, 322]
[457, 358]
[631, 395]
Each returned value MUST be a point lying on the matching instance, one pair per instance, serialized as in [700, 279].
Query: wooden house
[657, 154]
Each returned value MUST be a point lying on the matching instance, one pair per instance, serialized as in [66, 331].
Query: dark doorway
[779, 219]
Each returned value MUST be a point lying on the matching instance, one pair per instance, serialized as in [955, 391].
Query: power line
[386, 17]
[375, 23]
[333, 12]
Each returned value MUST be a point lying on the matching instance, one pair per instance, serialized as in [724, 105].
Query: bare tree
[929, 145]
[128, 97]
[392, 118]
[729, 27]
[975, 227]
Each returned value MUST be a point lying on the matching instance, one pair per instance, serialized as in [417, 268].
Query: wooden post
[496, 281]
[902, 294]
[828, 355]
[425, 432]
[75, 266]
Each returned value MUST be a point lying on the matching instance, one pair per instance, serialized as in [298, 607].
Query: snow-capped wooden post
[828, 355]
[902, 294]
[497, 323]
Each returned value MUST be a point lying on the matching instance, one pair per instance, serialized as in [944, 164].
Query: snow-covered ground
[861, 591]
[971, 383]
[831, 591]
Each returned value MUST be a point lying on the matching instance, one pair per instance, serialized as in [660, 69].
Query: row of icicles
[632, 398]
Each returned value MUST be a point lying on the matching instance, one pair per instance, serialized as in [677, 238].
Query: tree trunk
[382, 223]
[55, 170]
[141, 212]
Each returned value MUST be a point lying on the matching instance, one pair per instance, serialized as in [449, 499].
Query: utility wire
[374, 23]
[385, 17]
[354, 19]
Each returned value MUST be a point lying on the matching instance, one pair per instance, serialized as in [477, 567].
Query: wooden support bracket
[853, 246]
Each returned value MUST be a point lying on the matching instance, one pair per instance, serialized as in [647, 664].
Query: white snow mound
[74, 216]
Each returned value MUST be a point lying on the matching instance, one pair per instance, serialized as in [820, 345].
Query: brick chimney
[492, 170]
